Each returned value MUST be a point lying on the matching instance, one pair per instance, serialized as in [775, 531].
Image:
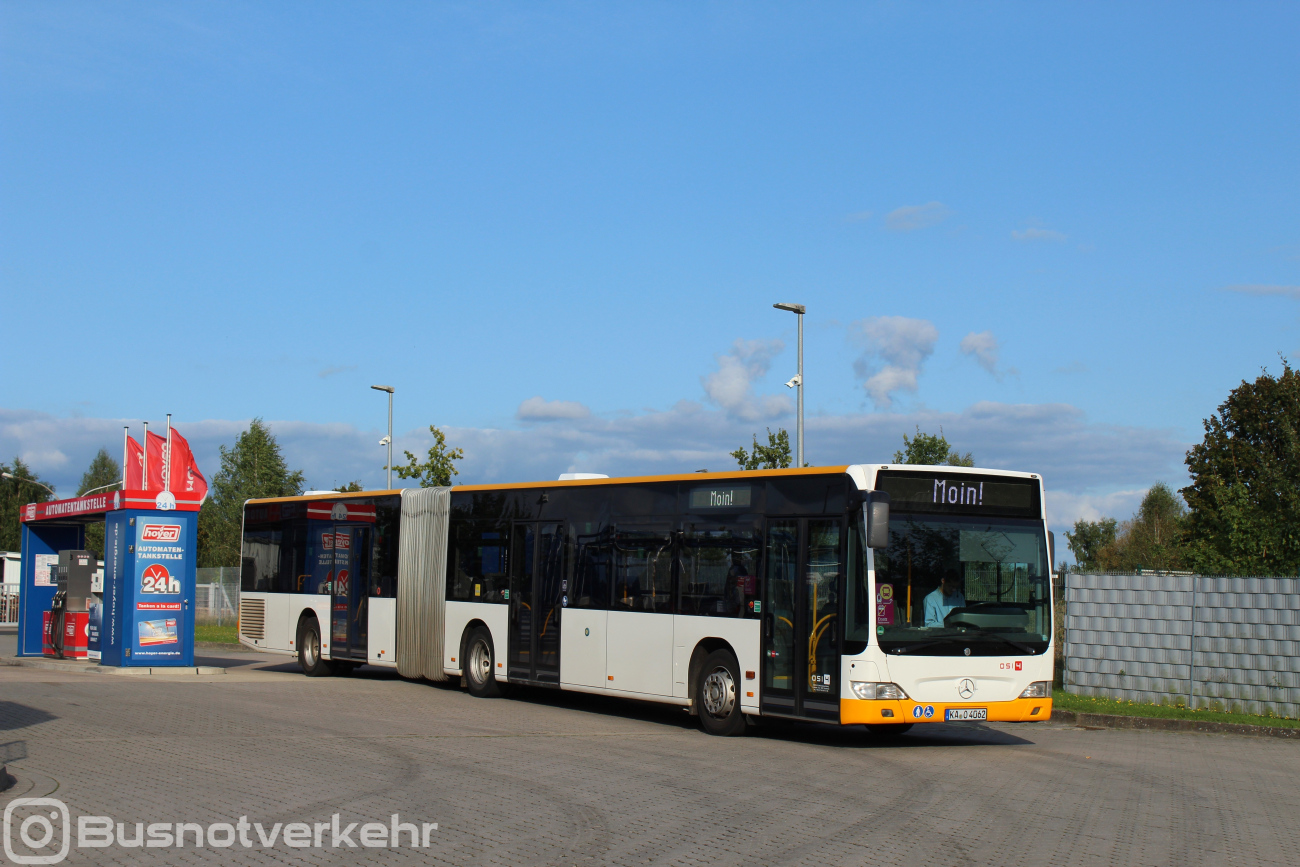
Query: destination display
[956, 494]
[722, 497]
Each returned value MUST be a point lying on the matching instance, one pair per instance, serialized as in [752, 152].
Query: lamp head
[793, 308]
[387, 388]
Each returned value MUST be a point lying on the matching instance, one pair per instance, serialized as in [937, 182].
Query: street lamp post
[30, 481]
[388, 440]
[797, 382]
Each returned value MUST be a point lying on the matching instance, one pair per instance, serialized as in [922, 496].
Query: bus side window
[643, 570]
[591, 573]
[477, 568]
[719, 570]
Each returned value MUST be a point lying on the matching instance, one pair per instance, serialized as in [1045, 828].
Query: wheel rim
[480, 662]
[311, 648]
[719, 693]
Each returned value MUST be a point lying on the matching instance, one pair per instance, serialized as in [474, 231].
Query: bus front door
[351, 589]
[801, 628]
[537, 598]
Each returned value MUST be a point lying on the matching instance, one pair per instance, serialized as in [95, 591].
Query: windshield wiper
[1023, 648]
[913, 648]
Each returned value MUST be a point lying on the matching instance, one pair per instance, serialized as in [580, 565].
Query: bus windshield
[958, 585]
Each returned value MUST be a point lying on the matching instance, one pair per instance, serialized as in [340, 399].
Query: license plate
[960, 714]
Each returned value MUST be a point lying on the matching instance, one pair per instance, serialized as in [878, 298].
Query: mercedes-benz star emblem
[966, 687]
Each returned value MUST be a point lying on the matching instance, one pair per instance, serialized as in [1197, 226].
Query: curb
[1160, 724]
[70, 665]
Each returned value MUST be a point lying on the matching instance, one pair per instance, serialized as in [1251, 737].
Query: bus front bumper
[857, 711]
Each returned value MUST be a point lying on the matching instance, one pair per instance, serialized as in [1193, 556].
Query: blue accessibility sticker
[917, 711]
[929, 711]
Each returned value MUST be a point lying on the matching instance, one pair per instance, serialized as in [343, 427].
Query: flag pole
[167, 478]
[125, 453]
[144, 469]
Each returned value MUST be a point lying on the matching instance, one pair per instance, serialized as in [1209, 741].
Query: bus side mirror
[877, 509]
[1051, 552]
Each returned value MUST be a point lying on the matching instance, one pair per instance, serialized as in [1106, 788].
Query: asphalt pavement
[543, 777]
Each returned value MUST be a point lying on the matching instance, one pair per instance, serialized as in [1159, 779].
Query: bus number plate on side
[962, 714]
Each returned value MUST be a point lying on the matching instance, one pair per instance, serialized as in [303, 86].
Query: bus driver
[944, 599]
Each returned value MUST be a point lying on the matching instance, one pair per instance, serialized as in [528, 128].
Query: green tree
[440, 466]
[351, 487]
[253, 467]
[1244, 499]
[1152, 539]
[14, 494]
[775, 455]
[103, 473]
[931, 450]
[1089, 539]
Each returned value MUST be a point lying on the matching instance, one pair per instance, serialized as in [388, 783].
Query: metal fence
[216, 595]
[8, 604]
[1201, 641]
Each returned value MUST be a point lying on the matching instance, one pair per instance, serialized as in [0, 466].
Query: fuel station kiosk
[142, 614]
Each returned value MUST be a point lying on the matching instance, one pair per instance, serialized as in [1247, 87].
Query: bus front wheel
[480, 665]
[309, 656]
[717, 695]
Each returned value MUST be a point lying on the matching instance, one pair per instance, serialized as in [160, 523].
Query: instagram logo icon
[33, 827]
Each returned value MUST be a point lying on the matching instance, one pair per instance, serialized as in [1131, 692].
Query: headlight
[878, 691]
[1038, 689]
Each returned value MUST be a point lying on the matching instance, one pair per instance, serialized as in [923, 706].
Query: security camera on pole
[797, 380]
[388, 440]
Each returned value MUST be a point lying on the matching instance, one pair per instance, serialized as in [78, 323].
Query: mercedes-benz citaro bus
[868, 594]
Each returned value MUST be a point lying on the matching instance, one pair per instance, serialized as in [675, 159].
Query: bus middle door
[537, 596]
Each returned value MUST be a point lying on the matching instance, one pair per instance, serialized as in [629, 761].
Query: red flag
[186, 477]
[134, 465]
[156, 450]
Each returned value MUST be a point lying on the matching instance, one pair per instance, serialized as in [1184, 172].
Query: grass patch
[213, 634]
[1062, 700]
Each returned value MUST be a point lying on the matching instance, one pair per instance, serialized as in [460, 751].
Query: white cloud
[330, 371]
[538, 409]
[1065, 507]
[1262, 289]
[985, 348]
[902, 344]
[1037, 234]
[1035, 231]
[1088, 469]
[909, 218]
[731, 386]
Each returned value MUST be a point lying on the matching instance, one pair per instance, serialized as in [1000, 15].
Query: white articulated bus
[872, 594]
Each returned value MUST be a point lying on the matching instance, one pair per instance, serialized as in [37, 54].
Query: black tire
[479, 662]
[309, 654]
[888, 730]
[717, 695]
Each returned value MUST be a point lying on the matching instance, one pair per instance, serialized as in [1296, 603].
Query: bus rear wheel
[309, 655]
[888, 730]
[717, 695]
[480, 665]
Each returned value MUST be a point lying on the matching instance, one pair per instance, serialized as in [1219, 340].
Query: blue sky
[1062, 231]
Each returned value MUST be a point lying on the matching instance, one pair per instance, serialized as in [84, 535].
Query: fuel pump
[66, 621]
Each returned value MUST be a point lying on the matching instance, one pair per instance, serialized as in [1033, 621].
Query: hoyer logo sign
[161, 533]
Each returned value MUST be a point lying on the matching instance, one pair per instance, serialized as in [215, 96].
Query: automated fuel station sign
[160, 610]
